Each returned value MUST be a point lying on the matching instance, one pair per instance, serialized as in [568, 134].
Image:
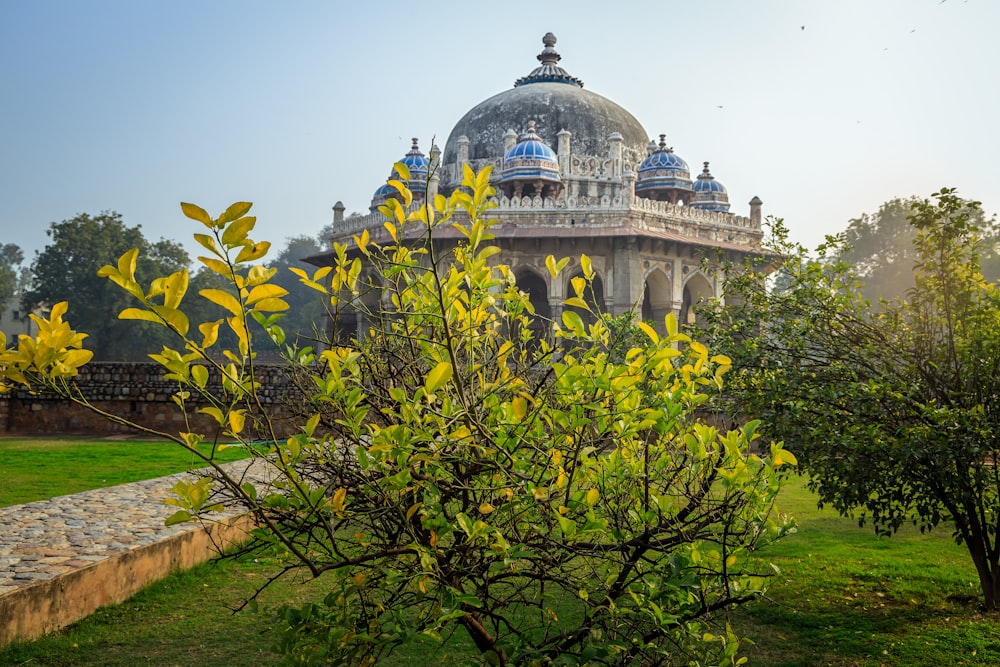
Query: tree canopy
[893, 412]
[66, 270]
[11, 257]
[881, 249]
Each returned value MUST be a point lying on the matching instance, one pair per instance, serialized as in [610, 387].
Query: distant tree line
[66, 270]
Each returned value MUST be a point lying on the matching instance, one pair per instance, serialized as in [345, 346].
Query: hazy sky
[822, 109]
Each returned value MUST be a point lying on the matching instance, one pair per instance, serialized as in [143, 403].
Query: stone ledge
[49, 604]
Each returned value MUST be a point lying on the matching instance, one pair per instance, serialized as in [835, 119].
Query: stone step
[63, 558]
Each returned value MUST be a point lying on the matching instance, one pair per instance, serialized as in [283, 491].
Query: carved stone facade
[576, 173]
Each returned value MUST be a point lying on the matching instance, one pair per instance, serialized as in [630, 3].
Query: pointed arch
[536, 287]
[697, 287]
[657, 299]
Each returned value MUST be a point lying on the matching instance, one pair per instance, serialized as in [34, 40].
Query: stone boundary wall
[135, 391]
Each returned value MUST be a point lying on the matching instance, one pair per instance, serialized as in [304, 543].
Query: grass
[39, 468]
[844, 597]
[848, 597]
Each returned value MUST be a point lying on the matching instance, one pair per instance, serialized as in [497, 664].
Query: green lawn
[39, 468]
[844, 597]
[848, 597]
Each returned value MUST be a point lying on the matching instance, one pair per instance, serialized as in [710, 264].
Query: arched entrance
[657, 299]
[696, 288]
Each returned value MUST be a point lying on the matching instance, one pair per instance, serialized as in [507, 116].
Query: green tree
[552, 501]
[66, 270]
[306, 317]
[11, 257]
[894, 413]
[881, 249]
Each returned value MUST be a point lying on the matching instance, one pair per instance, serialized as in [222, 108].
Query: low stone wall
[132, 391]
[44, 606]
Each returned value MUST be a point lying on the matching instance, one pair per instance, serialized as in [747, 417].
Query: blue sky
[822, 109]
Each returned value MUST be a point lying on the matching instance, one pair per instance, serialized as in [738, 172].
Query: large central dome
[555, 101]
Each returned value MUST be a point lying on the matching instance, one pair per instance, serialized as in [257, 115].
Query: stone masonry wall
[135, 391]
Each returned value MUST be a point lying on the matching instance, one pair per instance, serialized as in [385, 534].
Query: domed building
[575, 173]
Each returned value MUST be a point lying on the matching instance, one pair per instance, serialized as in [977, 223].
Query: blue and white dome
[418, 164]
[663, 175]
[530, 159]
[381, 196]
[709, 194]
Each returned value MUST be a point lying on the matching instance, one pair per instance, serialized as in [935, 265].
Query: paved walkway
[42, 540]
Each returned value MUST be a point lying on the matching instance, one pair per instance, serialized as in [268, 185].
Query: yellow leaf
[649, 331]
[578, 285]
[224, 299]
[219, 267]
[253, 252]
[139, 314]
[520, 407]
[237, 210]
[593, 495]
[486, 508]
[126, 263]
[671, 323]
[783, 456]
[555, 267]
[271, 306]
[438, 376]
[362, 240]
[262, 292]
[213, 412]
[576, 302]
[209, 332]
[207, 242]
[197, 213]
[200, 376]
[238, 230]
[339, 497]
[586, 267]
[236, 421]
[176, 287]
[392, 230]
[573, 321]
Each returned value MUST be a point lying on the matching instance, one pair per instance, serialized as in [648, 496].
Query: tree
[449, 472]
[66, 270]
[892, 413]
[306, 317]
[11, 257]
[881, 249]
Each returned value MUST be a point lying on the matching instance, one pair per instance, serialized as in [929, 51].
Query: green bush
[548, 495]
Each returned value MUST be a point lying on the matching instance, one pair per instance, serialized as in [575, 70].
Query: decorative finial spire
[549, 70]
[548, 56]
[415, 149]
[705, 170]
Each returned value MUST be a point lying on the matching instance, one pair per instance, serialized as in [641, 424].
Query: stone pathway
[43, 541]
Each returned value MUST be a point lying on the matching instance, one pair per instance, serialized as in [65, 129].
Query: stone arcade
[576, 173]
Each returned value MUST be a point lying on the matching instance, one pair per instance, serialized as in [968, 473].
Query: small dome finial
[549, 56]
[705, 170]
[549, 70]
[663, 141]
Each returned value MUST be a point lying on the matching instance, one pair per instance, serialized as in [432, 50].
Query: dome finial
[549, 56]
[549, 70]
[705, 170]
